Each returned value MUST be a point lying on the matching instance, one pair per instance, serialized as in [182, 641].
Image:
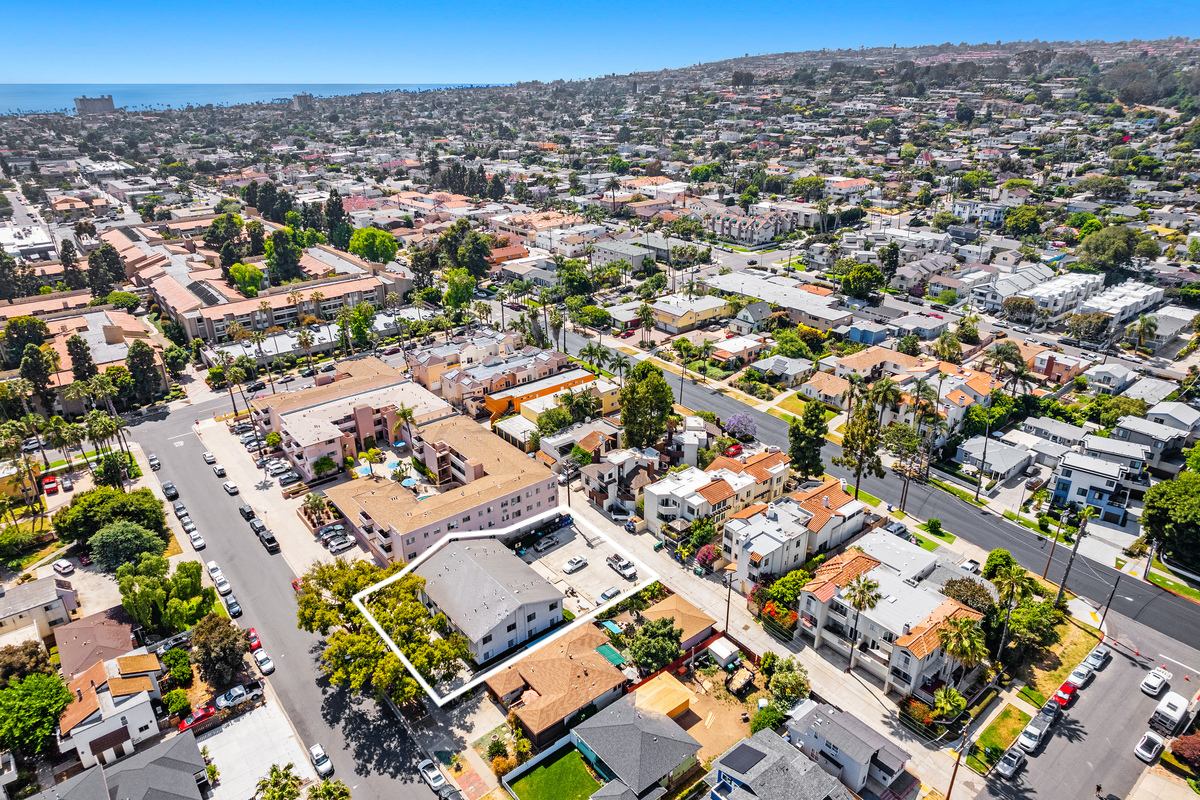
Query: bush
[502, 766]
[180, 665]
[176, 701]
[769, 717]
[934, 526]
[497, 749]
[523, 750]
[767, 664]
[1187, 749]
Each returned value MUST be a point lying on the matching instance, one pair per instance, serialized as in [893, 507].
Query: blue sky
[220, 41]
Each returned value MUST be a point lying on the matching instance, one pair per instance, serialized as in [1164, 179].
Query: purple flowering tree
[741, 426]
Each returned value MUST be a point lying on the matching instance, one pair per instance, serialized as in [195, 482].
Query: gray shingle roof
[639, 746]
[783, 774]
[852, 736]
[166, 771]
[25, 596]
[478, 584]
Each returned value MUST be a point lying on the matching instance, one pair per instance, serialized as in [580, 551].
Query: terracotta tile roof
[129, 665]
[984, 384]
[839, 571]
[564, 676]
[814, 499]
[866, 359]
[119, 687]
[959, 398]
[84, 702]
[750, 511]
[923, 638]
[592, 441]
[716, 491]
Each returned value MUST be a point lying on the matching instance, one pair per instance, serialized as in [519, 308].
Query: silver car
[320, 761]
[1010, 762]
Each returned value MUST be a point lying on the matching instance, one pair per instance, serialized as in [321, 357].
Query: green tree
[656, 644]
[862, 280]
[889, 261]
[786, 589]
[646, 402]
[283, 257]
[963, 640]
[1023, 221]
[1109, 249]
[92, 510]
[68, 256]
[769, 717]
[948, 703]
[948, 348]
[167, 603]
[1014, 585]
[806, 437]
[143, 366]
[373, 245]
[38, 369]
[19, 661]
[123, 542]
[473, 254]
[218, 649]
[861, 594]
[460, 286]
[333, 789]
[943, 220]
[909, 345]
[860, 447]
[20, 332]
[281, 783]
[789, 683]
[1171, 518]
[82, 366]
[247, 277]
[29, 713]
[177, 702]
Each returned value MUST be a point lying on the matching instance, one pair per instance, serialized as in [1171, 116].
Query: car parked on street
[233, 606]
[1155, 681]
[169, 491]
[1080, 676]
[431, 774]
[1050, 711]
[240, 694]
[218, 470]
[1012, 760]
[209, 458]
[246, 511]
[1065, 694]
[320, 761]
[230, 488]
[265, 665]
[1098, 657]
[1149, 747]
[67, 485]
[180, 509]
[197, 540]
[1033, 734]
[154, 462]
[257, 525]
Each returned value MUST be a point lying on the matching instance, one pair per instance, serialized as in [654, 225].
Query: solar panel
[743, 758]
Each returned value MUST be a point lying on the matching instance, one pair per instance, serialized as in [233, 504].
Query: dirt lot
[715, 718]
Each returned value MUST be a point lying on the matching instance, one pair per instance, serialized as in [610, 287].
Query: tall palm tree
[1019, 377]
[344, 316]
[645, 316]
[885, 394]
[963, 641]
[80, 391]
[235, 331]
[611, 186]
[305, 340]
[1013, 584]
[856, 392]
[329, 789]
[32, 425]
[56, 433]
[315, 299]
[619, 362]
[281, 783]
[405, 419]
[296, 298]
[483, 311]
[861, 594]
[557, 325]
[1143, 329]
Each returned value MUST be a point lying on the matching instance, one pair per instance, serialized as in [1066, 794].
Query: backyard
[996, 738]
[564, 776]
[1043, 677]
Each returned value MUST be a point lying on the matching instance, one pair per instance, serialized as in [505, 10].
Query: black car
[1050, 711]
[233, 606]
[246, 511]
[170, 491]
[307, 373]
[257, 386]
[268, 541]
[257, 525]
[244, 427]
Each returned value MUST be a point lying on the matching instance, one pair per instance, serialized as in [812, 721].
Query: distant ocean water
[50, 97]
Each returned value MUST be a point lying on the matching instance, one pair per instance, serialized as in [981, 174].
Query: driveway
[245, 747]
[588, 582]
[97, 590]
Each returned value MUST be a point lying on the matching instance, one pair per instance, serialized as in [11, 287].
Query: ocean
[49, 97]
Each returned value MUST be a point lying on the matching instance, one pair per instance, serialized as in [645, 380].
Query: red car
[297, 585]
[85, 560]
[50, 484]
[731, 336]
[198, 715]
[255, 644]
[734, 450]
[1065, 694]
[626, 334]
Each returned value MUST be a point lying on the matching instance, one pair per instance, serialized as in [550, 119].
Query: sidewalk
[856, 693]
[1158, 784]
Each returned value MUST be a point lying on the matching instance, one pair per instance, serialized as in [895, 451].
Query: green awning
[611, 655]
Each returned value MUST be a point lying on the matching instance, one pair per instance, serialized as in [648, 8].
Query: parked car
[240, 694]
[230, 487]
[287, 379]
[246, 511]
[169, 491]
[233, 606]
[432, 775]
[288, 478]
[1155, 681]
[1149, 747]
[545, 543]
[1012, 760]
[609, 594]
[197, 715]
[209, 458]
[574, 564]
[180, 509]
[50, 484]
[320, 761]
[277, 468]
[188, 525]
[1098, 657]
[154, 462]
[257, 386]
[66, 483]
[197, 540]
[265, 665]
[252, 637]
[268, 540]
[1050, 711]
[1080, 676]
[341, 545]
[733, 450]
[329, 367]
[257, 525]
[623, 566]
[1033, 734]
[63, 567]
[218, 470]
[1065, 694]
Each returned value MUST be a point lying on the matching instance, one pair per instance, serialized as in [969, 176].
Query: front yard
[563, 777]
[1042, 678]
[996, 738]
[795, 405]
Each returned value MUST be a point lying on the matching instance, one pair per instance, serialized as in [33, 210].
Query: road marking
[1180, 663]
[180, 436]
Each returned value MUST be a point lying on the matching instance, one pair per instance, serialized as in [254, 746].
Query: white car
[197, 540]
[218, 470]
[432, 775]
[320, 761]
[1149, 747]
[265, 664]
[574, 564]
[230, 487]
[1155, 681]
[189, 527]
[1080, 676]
[63, 567]
[209, 458]
[278, 468]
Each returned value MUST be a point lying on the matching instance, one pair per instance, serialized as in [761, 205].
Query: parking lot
[590, 581]
[244, 748]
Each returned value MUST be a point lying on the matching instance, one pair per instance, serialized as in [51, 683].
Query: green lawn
[948, 538]
[564, 777]
[1174, 586]
[1024, 522]
[959, 493]
[865, 496]
[996, 738]
[926, 544]
[1074, 641]
[795, 404]
[714, 373]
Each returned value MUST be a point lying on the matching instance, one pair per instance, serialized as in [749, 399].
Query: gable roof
[923, 638]
[85, 702]
[638, 745]
[688, 618]
[839, 571]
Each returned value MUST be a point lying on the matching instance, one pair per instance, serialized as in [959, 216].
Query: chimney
[907, 630]
[825, 501]
[79, 694]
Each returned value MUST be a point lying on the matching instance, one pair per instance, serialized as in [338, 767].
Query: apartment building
[497, 404]
[779, 536]
[113, 708]
[1124, 302]
[524, 228]
[616, 482]
[598, 438]
[476, 484]
[679, 313]
[606, 252]
[344, 414]
[725, 488]
[1094, 482]
[1062, 294]
[428, 364]
[468, 387]
[35, 607]
[1164, 442]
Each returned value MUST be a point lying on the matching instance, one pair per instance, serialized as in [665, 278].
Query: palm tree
[329, 789]
[296, 297]
[1020, 376]
[861, 594]
[885, 394]
[56, 429]
[306, 340]
[280, 784]
[405, 419]
[77, 391]
[612, 186]
[856, 392]
[344, 317]
[705, 351]
[645, 316]
[315, 299]
[235, 331]
[226, 362]
[948, 703]
[372, 457]
[963, 640]
[557, 324]
[31, 425]
[483, 311]
[619, 362]
[1143, 329]
[593, 354]
[1013, 584]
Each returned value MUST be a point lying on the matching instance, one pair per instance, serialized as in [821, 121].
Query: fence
[553, 750]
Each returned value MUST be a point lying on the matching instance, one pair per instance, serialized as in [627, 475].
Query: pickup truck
[623, 566]
[240, 694]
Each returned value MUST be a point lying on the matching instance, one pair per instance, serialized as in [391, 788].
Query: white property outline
[533, 521]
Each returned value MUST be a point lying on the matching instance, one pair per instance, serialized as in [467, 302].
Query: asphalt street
[370, 750]
[1143, 602]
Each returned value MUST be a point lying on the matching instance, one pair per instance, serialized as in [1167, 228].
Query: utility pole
[961, 746]
[987, 435]
[1054, 544]
[1111, 595]
[1071, 560]
[728, 597]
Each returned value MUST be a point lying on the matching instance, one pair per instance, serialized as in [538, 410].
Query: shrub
[497, 749]
[502, 766]
[523, 750]
[769, 717]
[767, 665]
[180, 665]
[176, 701]
[1187, 749]
[934, 526]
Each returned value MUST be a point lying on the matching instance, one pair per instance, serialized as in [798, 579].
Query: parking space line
[1180, 663]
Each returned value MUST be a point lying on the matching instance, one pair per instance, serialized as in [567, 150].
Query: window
[489, 509]
[1081, 492]
[554, 605]
[143, 729]
[1110, 483]
[512, 626]
[410, 540]
[504, 504]
[411, 556]
[531, 617]
[467, 518]
[1066, 473]
[486, 639]
[831, 747]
